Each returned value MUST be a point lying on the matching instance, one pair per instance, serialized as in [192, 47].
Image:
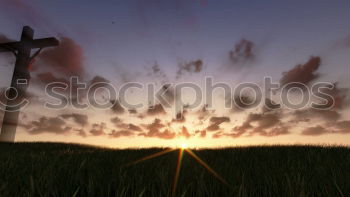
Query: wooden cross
[20, 78]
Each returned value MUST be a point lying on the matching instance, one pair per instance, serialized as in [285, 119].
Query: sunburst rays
[181, 150]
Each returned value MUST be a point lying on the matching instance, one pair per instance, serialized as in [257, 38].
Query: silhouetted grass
[50, 169]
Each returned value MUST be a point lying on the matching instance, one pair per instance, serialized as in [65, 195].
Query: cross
[21, 76]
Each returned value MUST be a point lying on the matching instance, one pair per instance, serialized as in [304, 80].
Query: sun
[184, 146]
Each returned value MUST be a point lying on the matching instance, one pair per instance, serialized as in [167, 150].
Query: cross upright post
[20, 78]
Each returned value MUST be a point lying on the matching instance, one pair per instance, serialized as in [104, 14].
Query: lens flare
[183, 148]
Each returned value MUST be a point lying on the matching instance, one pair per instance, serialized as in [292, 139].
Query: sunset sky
[174, 41]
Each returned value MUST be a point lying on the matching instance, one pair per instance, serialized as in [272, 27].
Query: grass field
[47, 169]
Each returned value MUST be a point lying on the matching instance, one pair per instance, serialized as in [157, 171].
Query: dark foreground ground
[44, 169]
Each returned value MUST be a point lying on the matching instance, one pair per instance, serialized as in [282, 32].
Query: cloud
[67, 58]
[4, 39]
[132, 111]
[134, 127]
[80, 119]
[156, 72]
[241, 102]
[180, 116]
[202, 133]
[117, 107]
[119, 123]
[184, 132]
[204, 113]
[98, 129]
[130, 126]
[81, 132]
[154, 130]
[156, 109]
[329, 116]
[189, 67]
[122, 133]
[339, 96]
[314, 131]
[343, 126]
[264, 122]
[217, 134]
[302, 73]
[242, 52]
[48, 124]
[215, 123]
[116, 120]
[169, 93]
[97, 82]
[279, 130]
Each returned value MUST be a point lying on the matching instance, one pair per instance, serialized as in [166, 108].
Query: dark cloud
[116, 120]
[329, 116]
[264, 122]
[130, 126]
[184, 132]
[180, 116]
[215, 123]
[4, 39]
[81, 132]
[80, 119]
[343, 126]
[98, 129]
[204, 113]
[132, 111]
[242, 52]
[156, 72]
[270, 106]
[122, 133]
[48, 124]
[66, 58]
[169, 93]
[202, 133]
[302, 73]
[134, 127]
[279, 130]
[315, 131]
[117, 107]
[189, 67]
[97, 82]
[119, 123]
[217, 134]
[154, 130]
[241, 102]
[339, 96]
[156, 109]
